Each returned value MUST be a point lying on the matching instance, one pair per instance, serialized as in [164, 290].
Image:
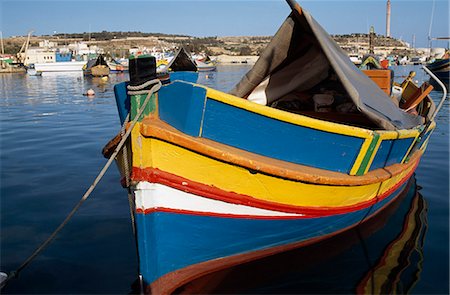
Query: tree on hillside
[245, 50]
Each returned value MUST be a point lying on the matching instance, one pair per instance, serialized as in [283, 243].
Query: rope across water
[154, 88]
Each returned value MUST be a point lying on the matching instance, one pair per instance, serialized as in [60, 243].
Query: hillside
[118, 43]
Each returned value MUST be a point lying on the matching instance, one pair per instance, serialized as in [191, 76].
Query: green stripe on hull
[368, 156]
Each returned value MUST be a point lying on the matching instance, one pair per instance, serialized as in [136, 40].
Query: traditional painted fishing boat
[97, 67]
[441, 68]
[304, 147]
[182, 67]
[205, 64]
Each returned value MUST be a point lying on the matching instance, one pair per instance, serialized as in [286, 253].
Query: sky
[410, 19]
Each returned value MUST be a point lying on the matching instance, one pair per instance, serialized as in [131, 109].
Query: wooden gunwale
[153, 127]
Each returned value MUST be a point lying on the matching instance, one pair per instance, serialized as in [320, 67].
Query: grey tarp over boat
[299, 56]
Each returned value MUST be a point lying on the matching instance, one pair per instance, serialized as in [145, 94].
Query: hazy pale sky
[224, 18]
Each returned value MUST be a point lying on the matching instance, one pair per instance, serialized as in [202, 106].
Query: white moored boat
[69, 66]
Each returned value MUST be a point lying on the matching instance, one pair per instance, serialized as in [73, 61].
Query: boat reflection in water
[383, 255]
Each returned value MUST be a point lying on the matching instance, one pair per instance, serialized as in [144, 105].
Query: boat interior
[299, 74]
[328, 100]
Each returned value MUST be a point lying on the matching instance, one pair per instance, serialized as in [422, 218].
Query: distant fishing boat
[182, 67]
[65, 66]
[441, 68]
[53, 61]
[32, 71]
[205, 64]
[115, 67]
[205, 67]
[355, 58]
[97, 67]
[303, 148]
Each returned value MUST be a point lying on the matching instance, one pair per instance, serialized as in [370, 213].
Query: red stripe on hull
[155, 175]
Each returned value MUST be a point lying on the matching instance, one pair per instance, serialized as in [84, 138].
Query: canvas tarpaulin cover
[300, 56]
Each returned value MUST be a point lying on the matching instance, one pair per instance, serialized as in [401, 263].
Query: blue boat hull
[184, 246]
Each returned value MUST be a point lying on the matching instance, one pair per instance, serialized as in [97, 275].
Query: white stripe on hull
[153, 195]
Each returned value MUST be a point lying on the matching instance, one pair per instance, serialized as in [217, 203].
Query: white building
[81, 49]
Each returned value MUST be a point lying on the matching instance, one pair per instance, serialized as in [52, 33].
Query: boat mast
[431, 25]
[388, 18]
[1, 38]
[24, 46]
[371, 40]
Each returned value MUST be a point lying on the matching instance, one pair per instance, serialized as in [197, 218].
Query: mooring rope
[126, 169]
[125, 153]
[156, 87]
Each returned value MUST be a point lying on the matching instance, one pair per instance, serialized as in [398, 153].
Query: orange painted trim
[152, 127]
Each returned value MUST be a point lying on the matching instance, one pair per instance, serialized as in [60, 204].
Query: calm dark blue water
[51, 138]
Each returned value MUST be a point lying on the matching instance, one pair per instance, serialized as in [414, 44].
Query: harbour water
[51, 137]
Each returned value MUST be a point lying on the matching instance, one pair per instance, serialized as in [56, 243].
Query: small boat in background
[182, 67]
[355, 58]
[205, 64]
[63, 66]
[441, 68]
[205, 67]
[58, 61]
[370, 62]
[97, 67]
[48, 58]
[32, 71]
[117, 66]
[303, 148]
[182, 62]
[8, 65]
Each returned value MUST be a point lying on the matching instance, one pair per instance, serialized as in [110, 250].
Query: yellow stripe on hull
[361, 155]
[153, 153]
[391, 182]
